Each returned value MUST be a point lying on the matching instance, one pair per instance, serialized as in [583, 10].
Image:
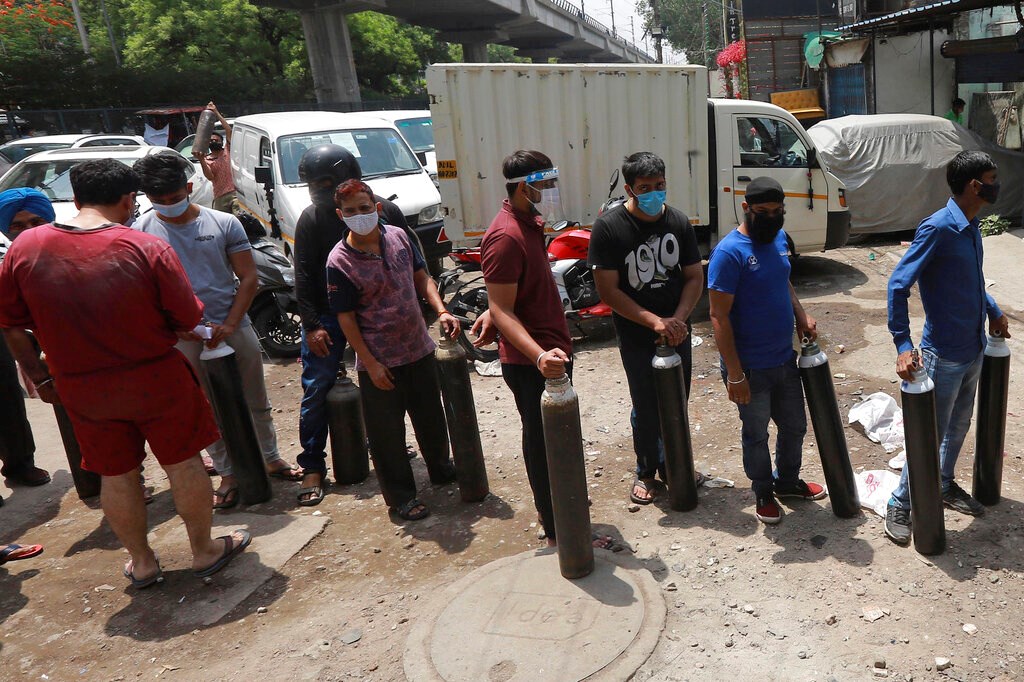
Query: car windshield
[418, 132]
[380, 152]
[51, 177]
[16, 151]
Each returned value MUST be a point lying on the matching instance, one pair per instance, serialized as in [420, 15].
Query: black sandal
[406, 510]
[316, 492]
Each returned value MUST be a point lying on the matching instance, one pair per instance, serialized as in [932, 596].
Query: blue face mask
[652, 202]
[172, 210]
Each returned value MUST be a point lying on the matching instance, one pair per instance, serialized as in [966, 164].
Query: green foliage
[684, 21]
[993, 224]
[391, 56]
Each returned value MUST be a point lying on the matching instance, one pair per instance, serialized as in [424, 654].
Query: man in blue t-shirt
[753, 308]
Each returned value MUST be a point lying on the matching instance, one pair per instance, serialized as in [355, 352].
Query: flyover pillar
[330, 55]
[474, 53]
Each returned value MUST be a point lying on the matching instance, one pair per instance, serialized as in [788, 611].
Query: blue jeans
[956, 384]
[644, 417]
[318, 376]
[777, 395]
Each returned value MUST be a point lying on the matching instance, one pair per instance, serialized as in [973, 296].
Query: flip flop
[143, 583]
[14, 552]
[641, 483]
[231, 550]
[225, 503]
[287, 473]
[406, 510]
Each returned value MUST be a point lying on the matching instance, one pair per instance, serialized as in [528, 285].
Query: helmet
[329, 161]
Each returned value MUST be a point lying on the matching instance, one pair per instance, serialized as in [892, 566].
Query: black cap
[763, 190]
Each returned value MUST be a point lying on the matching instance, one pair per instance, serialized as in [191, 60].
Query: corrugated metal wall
[587, 118]
[846, 91]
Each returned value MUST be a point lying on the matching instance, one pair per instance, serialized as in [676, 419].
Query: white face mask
[362, 223]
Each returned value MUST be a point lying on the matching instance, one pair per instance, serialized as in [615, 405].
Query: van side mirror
[263, 175]
[812, 158]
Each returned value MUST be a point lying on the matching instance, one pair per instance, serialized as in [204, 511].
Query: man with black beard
[317, 232]
[753, 309]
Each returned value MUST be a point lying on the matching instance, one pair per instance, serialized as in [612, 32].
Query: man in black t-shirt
[647, 268]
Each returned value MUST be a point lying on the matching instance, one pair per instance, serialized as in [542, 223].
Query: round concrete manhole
[518, 619]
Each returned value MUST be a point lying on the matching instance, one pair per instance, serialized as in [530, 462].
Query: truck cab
[274, 143]
[753, 139]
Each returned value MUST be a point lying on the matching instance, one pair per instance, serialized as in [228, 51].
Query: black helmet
[329, 161]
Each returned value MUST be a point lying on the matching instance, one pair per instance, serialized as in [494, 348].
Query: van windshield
[418, 132]
[380, 152]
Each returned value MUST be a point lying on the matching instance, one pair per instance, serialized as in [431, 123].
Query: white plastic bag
[488, 369]
[882, 420]
[875, 488]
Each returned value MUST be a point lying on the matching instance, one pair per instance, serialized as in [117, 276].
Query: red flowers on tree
[732, 60]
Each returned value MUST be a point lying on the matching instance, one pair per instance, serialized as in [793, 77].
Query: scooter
[274, 312]
[575, 281]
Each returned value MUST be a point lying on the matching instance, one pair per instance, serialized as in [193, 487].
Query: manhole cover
[518, 619]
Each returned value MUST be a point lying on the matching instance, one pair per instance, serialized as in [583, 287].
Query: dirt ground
[744, 600]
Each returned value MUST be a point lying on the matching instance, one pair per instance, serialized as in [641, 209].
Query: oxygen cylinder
[820, 394]
[563, 440]
[235, 422]
[460, 412]
[922, 441]
[349, 455]
[675, 427]
[990, 431]
[201, 142]
[87, 483]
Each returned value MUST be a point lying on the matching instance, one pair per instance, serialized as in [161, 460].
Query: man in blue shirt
[753, 310]
[945, 259]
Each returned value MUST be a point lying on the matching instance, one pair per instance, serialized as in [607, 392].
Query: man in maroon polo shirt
[525, 308]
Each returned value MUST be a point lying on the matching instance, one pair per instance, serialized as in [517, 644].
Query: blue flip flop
[231, 550]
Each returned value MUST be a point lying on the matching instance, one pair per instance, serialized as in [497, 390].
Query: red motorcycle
[573, 277]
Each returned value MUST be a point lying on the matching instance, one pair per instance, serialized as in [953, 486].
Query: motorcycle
[274, 312]
[574, 279]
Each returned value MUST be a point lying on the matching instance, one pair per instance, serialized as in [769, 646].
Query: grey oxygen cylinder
[349, 455]
[922, 441]
[201, 142]
[87, 483]
[820, 394]
[990, 431]
[235, 421]
[675, 427]
[563, 440]
[460, 413]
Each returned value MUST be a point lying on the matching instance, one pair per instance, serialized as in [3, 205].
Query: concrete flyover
[539, 29]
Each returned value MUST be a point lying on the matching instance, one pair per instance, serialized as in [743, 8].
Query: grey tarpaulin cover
[894, 167]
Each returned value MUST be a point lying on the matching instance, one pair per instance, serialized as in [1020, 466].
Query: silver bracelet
[47, 380]
[537, 361]
[728, 380]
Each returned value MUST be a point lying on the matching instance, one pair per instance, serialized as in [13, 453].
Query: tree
[685, 26]
[29, 27]
[390, 55]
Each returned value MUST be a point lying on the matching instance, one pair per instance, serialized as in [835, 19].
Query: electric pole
[611, 4]
[656, 31]
[83, 33]
[704, 31]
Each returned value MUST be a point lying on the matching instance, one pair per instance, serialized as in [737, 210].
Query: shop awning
[922, 14]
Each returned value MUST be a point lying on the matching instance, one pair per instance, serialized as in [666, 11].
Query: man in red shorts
[107, 304]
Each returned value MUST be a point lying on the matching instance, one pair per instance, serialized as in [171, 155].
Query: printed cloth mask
[362, 223]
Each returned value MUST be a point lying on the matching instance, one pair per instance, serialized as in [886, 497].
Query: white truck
[588, 117]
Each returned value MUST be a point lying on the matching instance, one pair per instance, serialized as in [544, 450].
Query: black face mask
[214, 147]
[989, 192]
[764, 228]
[323, 196]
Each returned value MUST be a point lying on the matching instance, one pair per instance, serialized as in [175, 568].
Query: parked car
[273, 144]
[17, 150]
[50, 173]
[418, 130]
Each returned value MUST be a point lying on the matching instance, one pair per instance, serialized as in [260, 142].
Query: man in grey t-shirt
[215, 252]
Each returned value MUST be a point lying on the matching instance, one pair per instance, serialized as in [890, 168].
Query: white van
[274, 143]
[417, 128]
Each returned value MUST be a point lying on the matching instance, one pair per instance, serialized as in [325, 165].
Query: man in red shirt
[217, 166]
[107, 304]
[525, 307]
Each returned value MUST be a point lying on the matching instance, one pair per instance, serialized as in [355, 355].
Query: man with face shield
[945, 260]
[525, 307]
[647, 268]
[753, 310]
[317, 232]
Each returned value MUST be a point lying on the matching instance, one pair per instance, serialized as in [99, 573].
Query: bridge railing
[572, 10]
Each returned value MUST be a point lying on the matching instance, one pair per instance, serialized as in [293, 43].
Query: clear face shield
[549, 206]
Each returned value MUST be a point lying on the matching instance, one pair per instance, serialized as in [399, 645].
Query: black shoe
[958, 499]
[897, 524]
